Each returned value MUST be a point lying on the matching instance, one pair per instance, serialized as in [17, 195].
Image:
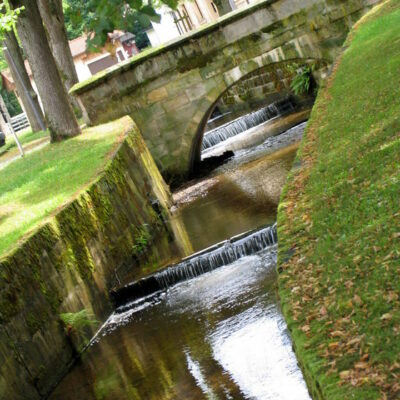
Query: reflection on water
[218, 336]
[241, 197]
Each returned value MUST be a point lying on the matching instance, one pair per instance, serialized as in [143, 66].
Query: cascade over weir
[242, 124]
[221, 254]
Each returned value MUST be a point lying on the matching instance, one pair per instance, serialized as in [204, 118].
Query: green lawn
[25, 138]
[33, 187]
[339, 223]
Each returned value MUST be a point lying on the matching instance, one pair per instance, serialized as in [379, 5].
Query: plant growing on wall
[302, 81]
[78, 321]
[142, 239]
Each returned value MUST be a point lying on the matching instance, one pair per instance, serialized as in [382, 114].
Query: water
[211, 327]
[221, 254]
[219, 336]
[241, 195]
[239, 125]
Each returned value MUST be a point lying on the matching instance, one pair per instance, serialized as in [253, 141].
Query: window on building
[102, 63]
[199, 11]
[182, 20]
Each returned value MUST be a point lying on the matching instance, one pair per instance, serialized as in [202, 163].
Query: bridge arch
[214, 96]
[169, 91]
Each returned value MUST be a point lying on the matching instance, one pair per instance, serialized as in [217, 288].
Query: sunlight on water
[259, 357]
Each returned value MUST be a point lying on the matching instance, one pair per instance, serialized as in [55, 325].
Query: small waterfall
[242, 124]
[223, 253]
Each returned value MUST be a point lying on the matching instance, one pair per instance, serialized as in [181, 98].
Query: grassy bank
[34, 187]
[26, 138]
[339, 223]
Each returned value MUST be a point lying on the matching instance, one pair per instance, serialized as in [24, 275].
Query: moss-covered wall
[71, 262]
[170, 91]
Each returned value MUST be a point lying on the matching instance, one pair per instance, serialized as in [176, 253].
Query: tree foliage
[13, 106]
[8, 17]
[77, 17]
[99, 17]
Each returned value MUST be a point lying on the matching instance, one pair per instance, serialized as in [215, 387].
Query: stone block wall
[71, 262]
[259, 88]
[170, 91]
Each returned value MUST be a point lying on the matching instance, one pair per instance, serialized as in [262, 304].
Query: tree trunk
[6, 126]
[58, 110]
[23, 84]
[3, 124]
[53, 19]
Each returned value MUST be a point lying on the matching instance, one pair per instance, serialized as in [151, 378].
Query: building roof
[126, 36]
[77, 46]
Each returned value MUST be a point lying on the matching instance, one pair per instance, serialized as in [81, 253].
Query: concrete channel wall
[70, 263]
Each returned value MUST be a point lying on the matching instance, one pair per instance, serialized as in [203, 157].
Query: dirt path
[12, 155]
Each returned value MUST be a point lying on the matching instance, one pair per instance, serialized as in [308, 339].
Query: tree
[28, 96]
[11, 101]
[6, 126]
[104, 16]
[53, 19]
[79, 16]
[60, 117]
[12, 54]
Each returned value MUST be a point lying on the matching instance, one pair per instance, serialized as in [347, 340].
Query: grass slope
[24, 138]
[339, 223]
[34, 187]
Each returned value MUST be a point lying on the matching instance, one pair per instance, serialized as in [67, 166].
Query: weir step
[206, 260]
[242, 124]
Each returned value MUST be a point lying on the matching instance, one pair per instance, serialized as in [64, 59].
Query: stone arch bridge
[170, 91]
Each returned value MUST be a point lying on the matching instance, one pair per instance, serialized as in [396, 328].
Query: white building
[189, 15]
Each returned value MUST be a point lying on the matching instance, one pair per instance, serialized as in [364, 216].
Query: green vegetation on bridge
[33, 187]
[339, 223]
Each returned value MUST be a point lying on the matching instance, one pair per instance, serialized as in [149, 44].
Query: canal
[221, 334]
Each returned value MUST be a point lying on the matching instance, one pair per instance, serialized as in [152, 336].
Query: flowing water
[244, 123]
[208, 327]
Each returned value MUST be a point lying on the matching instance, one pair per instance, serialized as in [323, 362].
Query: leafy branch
[8, 17]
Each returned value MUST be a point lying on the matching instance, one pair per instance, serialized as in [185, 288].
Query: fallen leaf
[386, 317]
[333, 345]
[357, 300]
[337, 334]
[344, 374]
[361, 365]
